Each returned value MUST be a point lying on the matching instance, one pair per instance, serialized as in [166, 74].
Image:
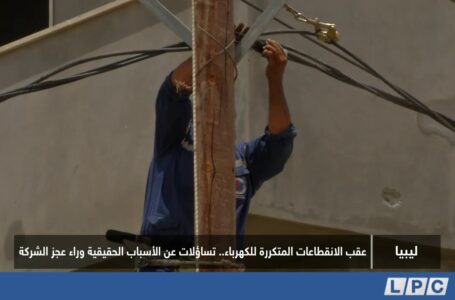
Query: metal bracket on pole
[179, 28]
[258, 28]
[169, 19]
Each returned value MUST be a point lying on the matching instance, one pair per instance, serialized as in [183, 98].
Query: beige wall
[67, 9]
[74, 160]
[352, 146]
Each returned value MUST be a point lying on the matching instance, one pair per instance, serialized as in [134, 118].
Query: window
[19, 18]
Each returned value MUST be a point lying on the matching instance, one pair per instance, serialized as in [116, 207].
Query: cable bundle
[45, 82]
[403, 98]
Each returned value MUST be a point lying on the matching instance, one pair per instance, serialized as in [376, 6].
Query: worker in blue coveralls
[169, 200]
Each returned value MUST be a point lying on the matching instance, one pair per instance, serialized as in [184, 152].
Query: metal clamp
[179, 28]
[258, 28]
[326, 32]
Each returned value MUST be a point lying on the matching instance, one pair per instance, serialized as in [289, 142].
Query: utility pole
[214, 119]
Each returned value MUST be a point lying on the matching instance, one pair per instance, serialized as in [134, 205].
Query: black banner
[261, 252]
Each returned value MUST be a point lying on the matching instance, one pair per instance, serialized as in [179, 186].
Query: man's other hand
[277, 59]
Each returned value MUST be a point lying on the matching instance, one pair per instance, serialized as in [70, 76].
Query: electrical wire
[300, 57]
[450, 124]
[44, 82]
[338, 75]
[305, 34]
[412, 102]
[105, 56]
[297, 56]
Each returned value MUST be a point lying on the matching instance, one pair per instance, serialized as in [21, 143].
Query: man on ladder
[169, 200]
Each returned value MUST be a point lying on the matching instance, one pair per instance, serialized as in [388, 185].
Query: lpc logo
[424, 286]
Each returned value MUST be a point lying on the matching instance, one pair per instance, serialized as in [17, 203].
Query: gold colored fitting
[326, 32]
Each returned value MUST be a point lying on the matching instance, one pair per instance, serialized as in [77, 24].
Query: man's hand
[182, 77]
[277, 59]
[279, 116]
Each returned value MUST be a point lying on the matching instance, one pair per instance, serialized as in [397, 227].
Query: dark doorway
[19, 18]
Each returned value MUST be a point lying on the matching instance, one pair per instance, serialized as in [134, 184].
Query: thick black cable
[306, 35]
[310, 36]
[43, 83]
[327, 69]
[337, 74]
[105, 56]
[433, 114]
[408, 101]
[438, 117]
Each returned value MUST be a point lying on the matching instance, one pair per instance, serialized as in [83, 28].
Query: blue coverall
[169, 199]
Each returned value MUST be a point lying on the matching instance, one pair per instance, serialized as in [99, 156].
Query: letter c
[435, 289]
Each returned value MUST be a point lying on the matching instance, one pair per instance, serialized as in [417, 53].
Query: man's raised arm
[173, 109]
[279, 116]
[267, 156]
